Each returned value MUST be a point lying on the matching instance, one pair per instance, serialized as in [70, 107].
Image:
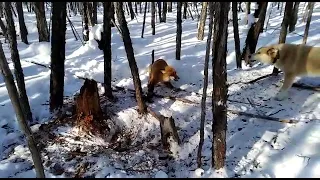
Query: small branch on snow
[289, 121]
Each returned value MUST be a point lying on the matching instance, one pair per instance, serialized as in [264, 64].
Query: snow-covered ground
[255, 147]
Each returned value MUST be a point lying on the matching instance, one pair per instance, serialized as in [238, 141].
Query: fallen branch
[258, 79]
[290, 121]
[302, 86]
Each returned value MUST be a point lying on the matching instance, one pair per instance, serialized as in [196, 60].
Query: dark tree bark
[205, 84]
[248, 10]
[169, 6]
[131, 10]
[43, 31]
[3, 28]
[94, 13]
[89, 13]
[107, 48]
[14, 12]
[153, 18]
[112, 14]
[1, 10]
[220, 89]
[22, 25]
[18, 71]
[144, 19]
[253, 34]
[140, 7]
[184, 10]
[85, 18]
[202, 21]
[293, 20]
[164, 12]
[130, 55]
[284, 28]
[136, 7]
[58, 41]
[306, 31]
[179, 31]
[159, 11]
[22, 121]
[236, 34]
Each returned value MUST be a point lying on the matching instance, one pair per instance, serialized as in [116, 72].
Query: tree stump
[89, 115]
[168, 129]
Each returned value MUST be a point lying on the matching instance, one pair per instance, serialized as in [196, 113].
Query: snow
[255, 147]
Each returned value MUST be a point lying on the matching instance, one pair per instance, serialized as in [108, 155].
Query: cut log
[168, 129]
[89, 115]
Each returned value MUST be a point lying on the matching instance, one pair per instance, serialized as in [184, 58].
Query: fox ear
[163, 71]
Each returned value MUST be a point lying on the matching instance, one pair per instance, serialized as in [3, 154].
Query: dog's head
[266, 55]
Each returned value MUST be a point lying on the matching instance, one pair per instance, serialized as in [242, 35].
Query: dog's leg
[283, 92]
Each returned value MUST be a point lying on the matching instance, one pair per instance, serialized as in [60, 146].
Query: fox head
[169, 73]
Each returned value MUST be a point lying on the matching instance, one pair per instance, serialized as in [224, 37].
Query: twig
[258, 79]
[290, 121]
[302, 86]
[258, 111]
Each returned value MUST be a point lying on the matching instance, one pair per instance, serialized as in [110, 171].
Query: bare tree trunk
[85, 19]
[202, 20]
[159, 12]
[144, 18]
[164, 12]
[236, 34]
[130, 55]
[14, 12]
[135, 7]
[247, 11]
[220, 90]
[107, 49]
[179, 31]
[293, 21]
[89, 13]
[153, 14]
[1, 10]
[184, 10]
[94, 13]
[43, 31]
[306, 31]
[22, 25]
[140, 7]
[169, 6]
[196, 6]
[253, 34]
[112, 14]
[131, 10]
[4, 29]
[205, 84]
[58, 40]
[16, 103]
[18, 71]
[284, 28]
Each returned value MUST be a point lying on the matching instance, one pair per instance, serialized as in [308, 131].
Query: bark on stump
[88, 111]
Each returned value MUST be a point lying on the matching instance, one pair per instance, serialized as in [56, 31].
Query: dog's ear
[273, 52]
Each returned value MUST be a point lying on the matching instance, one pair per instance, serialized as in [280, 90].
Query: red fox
[160, 72]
